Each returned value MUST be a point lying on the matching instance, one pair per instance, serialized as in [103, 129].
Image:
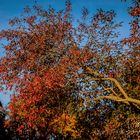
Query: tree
[130, 75]
[41, 65]
[60, 73]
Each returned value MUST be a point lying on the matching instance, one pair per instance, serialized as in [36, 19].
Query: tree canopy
[71, 81]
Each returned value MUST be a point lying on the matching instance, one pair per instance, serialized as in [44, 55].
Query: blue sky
[13, 8]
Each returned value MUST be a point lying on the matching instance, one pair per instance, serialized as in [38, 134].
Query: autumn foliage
[71, 81]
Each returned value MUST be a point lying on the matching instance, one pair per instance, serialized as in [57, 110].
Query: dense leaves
[68, 81]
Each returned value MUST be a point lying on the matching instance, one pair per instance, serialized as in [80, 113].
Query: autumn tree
[124, 121]
[41, 65]
[70, 82]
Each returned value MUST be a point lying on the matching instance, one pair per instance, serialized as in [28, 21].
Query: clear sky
[13, 8]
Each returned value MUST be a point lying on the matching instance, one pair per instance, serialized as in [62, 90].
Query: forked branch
[127, 100]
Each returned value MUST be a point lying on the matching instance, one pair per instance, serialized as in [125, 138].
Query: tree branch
[127, 100]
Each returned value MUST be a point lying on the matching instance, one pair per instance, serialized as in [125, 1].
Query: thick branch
[113, 98]
[118, 99]
[126, 100]
[116, 83]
